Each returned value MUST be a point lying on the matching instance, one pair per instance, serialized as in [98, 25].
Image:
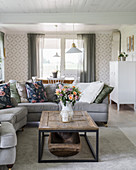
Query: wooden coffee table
[82, 122]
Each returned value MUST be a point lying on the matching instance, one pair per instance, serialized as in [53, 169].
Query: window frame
[63, 38]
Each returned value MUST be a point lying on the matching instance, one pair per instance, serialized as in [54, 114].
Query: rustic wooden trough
[64, 144]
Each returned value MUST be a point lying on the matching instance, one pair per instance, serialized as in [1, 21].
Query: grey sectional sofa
[15, 115]
[21, 113]
[99, 112]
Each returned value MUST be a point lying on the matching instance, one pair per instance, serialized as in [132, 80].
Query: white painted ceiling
[41, 15]
[66, 6]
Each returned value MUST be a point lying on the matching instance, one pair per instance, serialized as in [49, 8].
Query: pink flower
[60, 86]
[2, 93]
[8, 106]
[45, 94]
[76, 97]
[33, 101]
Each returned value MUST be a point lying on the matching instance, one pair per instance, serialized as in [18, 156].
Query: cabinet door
[127, 82]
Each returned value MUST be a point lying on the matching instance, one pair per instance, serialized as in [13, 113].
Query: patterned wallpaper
[16, 61]
[103, 56]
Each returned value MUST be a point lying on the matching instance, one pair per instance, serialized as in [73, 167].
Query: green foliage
[123, 54]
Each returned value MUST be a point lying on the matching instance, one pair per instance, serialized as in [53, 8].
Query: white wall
[16, 62]
[127, 31]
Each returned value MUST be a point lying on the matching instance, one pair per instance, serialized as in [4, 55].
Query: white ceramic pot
[67, 111]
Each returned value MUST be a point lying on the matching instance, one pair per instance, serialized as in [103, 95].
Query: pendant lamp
[74, 49]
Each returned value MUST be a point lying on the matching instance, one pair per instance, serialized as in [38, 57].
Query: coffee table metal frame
[42, 135]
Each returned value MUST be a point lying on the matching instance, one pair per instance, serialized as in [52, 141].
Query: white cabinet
[123, 79]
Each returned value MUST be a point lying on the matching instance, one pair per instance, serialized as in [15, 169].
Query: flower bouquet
[68, 97]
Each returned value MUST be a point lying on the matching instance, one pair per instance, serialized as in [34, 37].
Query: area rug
[116, 152]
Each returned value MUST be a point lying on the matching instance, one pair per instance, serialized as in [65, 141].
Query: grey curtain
[32, 61]
[1, 56]
[88, 73]
[2, 44]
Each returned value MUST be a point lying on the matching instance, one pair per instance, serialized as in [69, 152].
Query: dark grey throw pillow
[50, 90]
[103, 94]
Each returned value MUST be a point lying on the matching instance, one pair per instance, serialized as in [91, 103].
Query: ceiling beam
[86, 18]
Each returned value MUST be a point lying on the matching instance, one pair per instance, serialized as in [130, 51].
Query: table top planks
[51, 120]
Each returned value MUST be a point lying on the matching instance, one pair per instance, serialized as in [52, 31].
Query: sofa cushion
[93, 107]
[5, 95]
[18, 112]
[50, 92]
[22, 91]
[8, 135]
[104, 93]
[39, 107]
[35, 92]
[14, 92]
[91, 92]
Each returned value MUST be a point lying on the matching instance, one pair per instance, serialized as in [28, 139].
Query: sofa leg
[22, 128]
[105, 124]
[10, 166]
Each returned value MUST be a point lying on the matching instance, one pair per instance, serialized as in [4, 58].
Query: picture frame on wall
[128, 50]
[129, 43]
[132, 43]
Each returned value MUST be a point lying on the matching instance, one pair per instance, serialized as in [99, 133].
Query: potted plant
[54, 73]
[68, 97]
[123, 56]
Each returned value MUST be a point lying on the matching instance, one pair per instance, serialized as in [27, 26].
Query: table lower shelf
[95, 154]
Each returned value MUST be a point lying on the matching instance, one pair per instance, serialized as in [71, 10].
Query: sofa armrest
[13, 101]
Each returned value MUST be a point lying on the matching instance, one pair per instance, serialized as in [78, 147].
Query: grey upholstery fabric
[8, 135]
[39, 107]
[13, 101]
[19, 112]
[34, 117]
[102, 107]
[50, 92]
[21, 123]
[8, 118]
[99, 117]
[7, 156]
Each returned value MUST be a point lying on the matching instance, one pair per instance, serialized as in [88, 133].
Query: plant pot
[54, 74]
[122, 58]
[66, 112]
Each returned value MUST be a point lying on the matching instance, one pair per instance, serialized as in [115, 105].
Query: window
[73, 61]
[50, 63]
[1, 57]
[66, 64]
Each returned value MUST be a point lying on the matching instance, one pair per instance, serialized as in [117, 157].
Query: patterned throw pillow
[103, 94]
[36, 92]
[5, 100]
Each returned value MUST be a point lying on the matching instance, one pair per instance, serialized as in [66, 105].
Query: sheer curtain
[88, 69]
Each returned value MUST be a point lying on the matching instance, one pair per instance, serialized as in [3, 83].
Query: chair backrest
[52, 80]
